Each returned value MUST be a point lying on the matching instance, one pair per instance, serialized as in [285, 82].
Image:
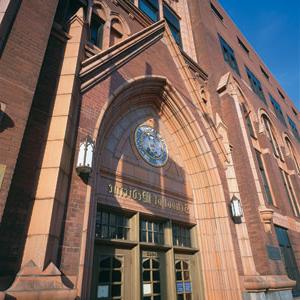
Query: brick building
[146, 153]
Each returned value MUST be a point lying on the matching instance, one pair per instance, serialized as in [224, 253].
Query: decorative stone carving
[266, 216]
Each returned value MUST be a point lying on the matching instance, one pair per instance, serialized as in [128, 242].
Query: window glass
[173, 22]
[294, 128]
[181, 236]
[229, 56]
[96, 28]
[183, 279]
[277, 110]
[111, 225]
[150, 8]
[255, 85]
[292, 153]
[151, 232]
[264, 178]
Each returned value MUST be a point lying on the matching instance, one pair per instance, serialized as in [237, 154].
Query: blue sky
[272, 27]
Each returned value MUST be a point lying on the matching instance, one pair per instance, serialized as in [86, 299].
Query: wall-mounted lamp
[236, 207]
[85, 156]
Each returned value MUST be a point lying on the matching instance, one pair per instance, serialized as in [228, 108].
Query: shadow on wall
[6, 122]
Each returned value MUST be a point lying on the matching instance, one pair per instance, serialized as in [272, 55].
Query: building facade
[146, 153]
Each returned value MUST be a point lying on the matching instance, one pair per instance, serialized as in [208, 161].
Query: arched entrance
[155, 224]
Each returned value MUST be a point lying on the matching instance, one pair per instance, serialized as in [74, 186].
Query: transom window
[151, 278]
[150, 8]
[229, 56]
[294, 128]
[277, 110]
[152, 232]
[181, 236]
[255, 85]
[111, 225]
[110, 278]
[183, 280]
[173, 22]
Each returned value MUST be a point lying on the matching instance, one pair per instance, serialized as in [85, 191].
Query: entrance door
[111, 274]
[153, 275]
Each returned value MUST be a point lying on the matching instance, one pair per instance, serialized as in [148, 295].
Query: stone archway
[209, 205]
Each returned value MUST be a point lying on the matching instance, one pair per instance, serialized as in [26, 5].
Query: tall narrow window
[181, 236]
[294, 128]
[264, 178]
[289, 257]
[271, 137]
[96, 28]
[290, 192]
[293, 155]
[173, 22]
[217, 13]
[277, 110]
[249, 125]
[255, 85]
[229, 56]
[150, 8]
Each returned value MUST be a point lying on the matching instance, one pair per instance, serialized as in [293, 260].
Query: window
[249, 125]
[96, 28]
[277, 110]
[281, 94]
[294, 128]
[111, 225]
[152, 232]
[271, 136]
[217, 13]
[264, 178]
[173, 22]
[151, 278]
[243, 46]
[228, 54]
[181, 236]
[292, 153]
[255, 85]
[110, 278]
[265, 73]
[294, 111]
[290, 193]
[288, 257]
[183, 280]
[150, 8]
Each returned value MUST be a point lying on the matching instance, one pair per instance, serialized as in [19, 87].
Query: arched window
[116, 32]
[292, 153]
[96, 28]
[271, 137]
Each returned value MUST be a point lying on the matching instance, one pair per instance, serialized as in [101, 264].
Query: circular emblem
[151, 146]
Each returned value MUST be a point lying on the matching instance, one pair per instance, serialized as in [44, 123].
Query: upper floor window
[281, 94]
[292, 153]
[181, 236]
[278, 110]
[294, 128]
[173, 22]
[111, 225]
[265, 73]
[229, 56]
[271, 137]
[264, 177]
[255, 85]
[150, 8]
[152, 232]
[96, 29]
[243, 46]
[217, 13]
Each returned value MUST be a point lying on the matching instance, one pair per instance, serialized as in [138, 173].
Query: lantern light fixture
[85, 156]
[236, 207]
